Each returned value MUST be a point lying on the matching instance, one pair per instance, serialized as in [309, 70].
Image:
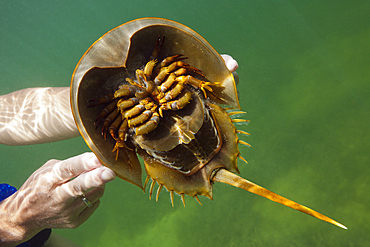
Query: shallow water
[304, 81]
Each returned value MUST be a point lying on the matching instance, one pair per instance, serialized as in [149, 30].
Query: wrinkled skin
[50, 199]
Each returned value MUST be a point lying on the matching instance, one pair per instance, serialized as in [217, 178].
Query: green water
[304, 81]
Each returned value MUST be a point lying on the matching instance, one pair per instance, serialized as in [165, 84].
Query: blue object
[6, 190]
[24, 245]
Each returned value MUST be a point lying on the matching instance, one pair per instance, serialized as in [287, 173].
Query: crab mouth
[186, 139]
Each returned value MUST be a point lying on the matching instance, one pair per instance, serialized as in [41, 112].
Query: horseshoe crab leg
[224, 176]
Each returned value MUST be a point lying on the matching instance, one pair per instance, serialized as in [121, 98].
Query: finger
[85, 182]
[83, 215]
[88, 199]
[87, 212]
[231, 63]
[96, 193]
[72, 167]
[92, 196]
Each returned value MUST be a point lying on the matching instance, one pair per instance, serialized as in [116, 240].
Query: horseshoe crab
[161, 91]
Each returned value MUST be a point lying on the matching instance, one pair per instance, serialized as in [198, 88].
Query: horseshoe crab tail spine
[227, 177]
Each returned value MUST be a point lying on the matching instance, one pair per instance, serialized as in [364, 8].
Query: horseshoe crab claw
[224, 176]
[116, 56]
[175, 115]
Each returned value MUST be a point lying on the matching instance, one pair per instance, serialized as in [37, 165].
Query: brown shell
[120, 52]
[194, 143]
[199, 183]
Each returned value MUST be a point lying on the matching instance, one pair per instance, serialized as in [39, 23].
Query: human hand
[51, 197]
[230, 62]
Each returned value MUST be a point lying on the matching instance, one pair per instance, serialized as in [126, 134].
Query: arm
[41, 115]
[36, 115]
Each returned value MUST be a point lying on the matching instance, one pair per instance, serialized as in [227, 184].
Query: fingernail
[232, 65]
[107, 175]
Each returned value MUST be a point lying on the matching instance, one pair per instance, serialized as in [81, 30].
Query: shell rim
[74, 93]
